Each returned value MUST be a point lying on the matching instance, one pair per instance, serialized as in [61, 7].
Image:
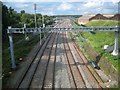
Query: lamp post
[36, 22]
[35, 15]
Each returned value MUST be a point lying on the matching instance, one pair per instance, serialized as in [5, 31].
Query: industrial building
[86, 18]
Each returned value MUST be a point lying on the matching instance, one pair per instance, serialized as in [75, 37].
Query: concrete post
[12, 50]
[115, 51]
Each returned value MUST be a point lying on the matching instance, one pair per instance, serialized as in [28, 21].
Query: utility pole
[36, 22]
[35, 15]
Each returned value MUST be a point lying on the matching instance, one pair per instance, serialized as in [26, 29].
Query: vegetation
[11, 18]
[21, 46]
[98, 39]
[75, 24]
[103, 23]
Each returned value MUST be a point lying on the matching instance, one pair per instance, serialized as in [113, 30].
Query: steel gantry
[84, 29]
[25, 30]
[52, 29]
[11, 31]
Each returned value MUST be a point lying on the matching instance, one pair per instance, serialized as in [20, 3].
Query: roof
[88, 16]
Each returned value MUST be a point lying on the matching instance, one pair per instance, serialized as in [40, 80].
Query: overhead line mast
[35, 16]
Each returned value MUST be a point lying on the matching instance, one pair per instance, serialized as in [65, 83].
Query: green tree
[22, 11]
[5, 22]
[11, 18]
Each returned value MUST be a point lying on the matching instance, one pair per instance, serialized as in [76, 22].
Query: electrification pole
[12, 49]
[116, 50]
[36, 22]
[35, 15]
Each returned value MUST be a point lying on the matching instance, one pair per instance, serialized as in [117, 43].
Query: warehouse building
[115, 17]
[86, 18]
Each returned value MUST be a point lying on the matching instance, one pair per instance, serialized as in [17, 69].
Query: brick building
[98, 17]
[115, 17]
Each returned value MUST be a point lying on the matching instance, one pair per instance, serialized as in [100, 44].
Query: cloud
[21, 5]
[114, 1]
[93, 4]
[90, 4]
[101, 6]
[64, 6]
[47, 12]
[85, 12]
[31, 1]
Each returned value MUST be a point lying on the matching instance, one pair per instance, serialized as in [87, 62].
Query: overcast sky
[60, 7]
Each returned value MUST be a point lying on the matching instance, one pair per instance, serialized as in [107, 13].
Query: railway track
[76, 75]
[82, 67]
[30, 70]
[59, 64]
[86, 61]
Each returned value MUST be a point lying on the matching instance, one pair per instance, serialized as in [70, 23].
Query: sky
[63, 7]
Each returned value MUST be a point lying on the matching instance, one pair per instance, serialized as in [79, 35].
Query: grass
[21, 49]
[103, 23]
[99, 39]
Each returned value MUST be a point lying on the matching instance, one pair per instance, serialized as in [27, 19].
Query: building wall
[84, 20]
[115, 17]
